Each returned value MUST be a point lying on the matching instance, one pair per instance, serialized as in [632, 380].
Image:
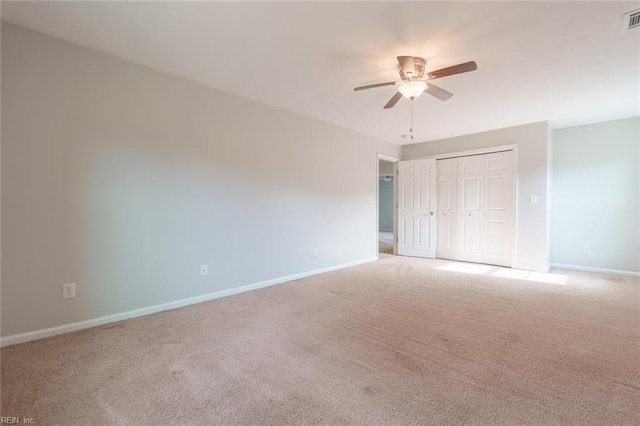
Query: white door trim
[387, 158]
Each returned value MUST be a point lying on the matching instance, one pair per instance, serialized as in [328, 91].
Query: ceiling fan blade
[439, 93]
[393, 101]
[371, 86]
[456, 69]
[406, 63]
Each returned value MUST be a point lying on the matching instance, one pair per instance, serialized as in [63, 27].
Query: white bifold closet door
[416, 208]
[447, 213]
[476, 220]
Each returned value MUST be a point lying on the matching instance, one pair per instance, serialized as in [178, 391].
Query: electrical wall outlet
[533, 199]
[587, 250]
[204, 270]
[314, 252]
[68, 291]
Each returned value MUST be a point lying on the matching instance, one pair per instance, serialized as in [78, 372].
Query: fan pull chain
[411, 127]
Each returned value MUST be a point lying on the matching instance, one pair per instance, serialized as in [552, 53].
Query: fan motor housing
[419, 66]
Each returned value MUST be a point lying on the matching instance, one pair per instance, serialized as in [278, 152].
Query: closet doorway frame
[489, 150]
[395, 161]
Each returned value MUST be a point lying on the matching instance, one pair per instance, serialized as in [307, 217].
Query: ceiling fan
[414, 79]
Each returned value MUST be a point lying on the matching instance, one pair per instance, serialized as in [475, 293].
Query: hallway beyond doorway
[385, 242]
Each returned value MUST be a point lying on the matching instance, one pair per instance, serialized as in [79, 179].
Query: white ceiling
[566, 62]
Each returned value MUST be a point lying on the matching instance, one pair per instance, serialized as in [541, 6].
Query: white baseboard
[67, 328]
[598, 270]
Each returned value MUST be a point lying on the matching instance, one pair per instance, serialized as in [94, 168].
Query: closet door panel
[470, 212]
[499, 217]
[486, 215]
[447, 213]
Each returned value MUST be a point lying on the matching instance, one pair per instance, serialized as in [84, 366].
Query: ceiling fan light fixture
[412, 89]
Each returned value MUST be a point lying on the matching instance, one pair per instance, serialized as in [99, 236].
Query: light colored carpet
[398, 341]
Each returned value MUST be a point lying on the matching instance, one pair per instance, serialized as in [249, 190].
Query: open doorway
[386, 205]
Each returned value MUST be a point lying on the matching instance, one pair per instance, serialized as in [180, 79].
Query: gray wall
[595, 195]
[124, 180]
[385, 216]
[532, 141]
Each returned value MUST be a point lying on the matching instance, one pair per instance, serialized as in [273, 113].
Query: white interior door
[447, 213]
[416, 208]
[486, 214]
